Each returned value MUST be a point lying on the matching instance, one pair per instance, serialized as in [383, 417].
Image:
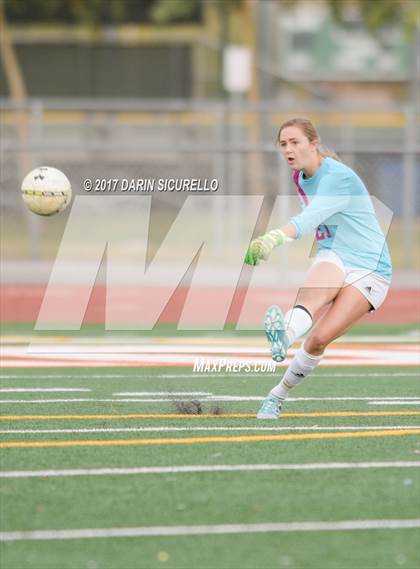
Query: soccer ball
[46, 191]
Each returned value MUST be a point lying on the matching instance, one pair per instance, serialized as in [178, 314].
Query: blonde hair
[311, 134]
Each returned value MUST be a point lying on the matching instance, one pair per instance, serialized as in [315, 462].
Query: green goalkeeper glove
[259, 249]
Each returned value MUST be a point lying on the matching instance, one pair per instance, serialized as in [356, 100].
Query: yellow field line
[195, 440]
[203, 416]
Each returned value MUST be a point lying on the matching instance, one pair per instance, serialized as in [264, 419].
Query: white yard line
[212, 397]
[194, 468]
[206, 468]
[412, 335]
[84, 400]
[205, 349]
[208, 357]
[105, 361]
[91, 533]
[397, 402]
[392, 400]
[377, 339]
[195, 376]
[406, 338]
[40, 389]
[140, 393]
[216, 398]
[93, 400]
[43, 375]
[192, 429]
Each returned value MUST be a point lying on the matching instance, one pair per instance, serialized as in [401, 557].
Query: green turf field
[316, 466]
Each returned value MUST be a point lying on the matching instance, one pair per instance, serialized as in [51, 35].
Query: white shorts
[373, 287]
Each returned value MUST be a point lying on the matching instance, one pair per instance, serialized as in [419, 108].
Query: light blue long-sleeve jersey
[337, 205]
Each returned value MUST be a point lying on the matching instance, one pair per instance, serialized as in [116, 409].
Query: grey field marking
[202, 468]
[193, 429]
[287, 527]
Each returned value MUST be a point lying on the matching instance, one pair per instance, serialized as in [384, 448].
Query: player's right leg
[322, 285]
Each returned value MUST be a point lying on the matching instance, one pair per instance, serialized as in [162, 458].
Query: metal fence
[232, 142]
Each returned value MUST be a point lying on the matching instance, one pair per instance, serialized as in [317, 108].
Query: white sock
[301, 366]
[298, 321]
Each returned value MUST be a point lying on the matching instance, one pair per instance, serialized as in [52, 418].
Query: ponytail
[326, 152]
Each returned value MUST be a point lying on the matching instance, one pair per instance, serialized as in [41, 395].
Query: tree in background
[376, 15]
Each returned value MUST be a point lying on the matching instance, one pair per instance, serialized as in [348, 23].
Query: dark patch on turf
[217, 409]
[189, 407]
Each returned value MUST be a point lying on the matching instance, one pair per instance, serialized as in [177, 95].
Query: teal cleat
[270, 408]
[275, 330]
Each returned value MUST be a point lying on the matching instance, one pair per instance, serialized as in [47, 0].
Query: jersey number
[322, 232]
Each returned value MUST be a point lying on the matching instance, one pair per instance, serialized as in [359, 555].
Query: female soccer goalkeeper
[351, 271]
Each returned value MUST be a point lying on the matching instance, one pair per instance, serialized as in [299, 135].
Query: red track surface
[21, 303]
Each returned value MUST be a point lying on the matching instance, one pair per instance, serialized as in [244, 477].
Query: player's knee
[317, 342]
